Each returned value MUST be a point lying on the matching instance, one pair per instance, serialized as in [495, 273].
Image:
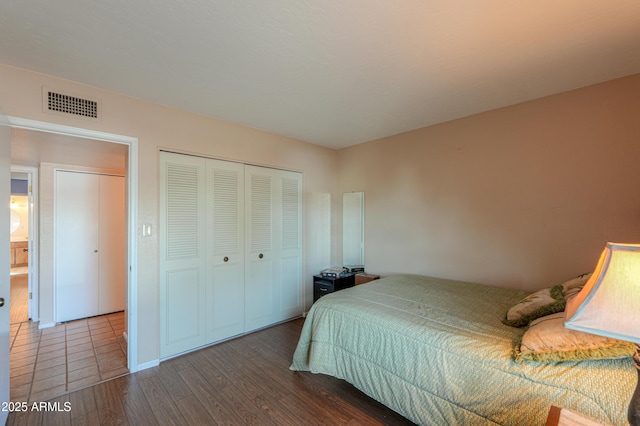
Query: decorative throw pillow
[542, 302]
[547, 340]
[573, 286]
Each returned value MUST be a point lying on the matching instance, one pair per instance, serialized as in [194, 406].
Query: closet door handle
[95, 251]
[260, 255]
[226, 259]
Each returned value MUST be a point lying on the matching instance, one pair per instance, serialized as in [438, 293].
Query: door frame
[132, 215]
[33, 301]
[5, 286]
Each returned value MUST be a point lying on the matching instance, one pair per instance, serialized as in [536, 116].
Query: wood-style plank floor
[242, 381]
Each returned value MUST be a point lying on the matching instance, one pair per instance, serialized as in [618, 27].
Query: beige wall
[157, 127]
[522, 197]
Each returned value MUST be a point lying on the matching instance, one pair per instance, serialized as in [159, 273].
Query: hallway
[53, 361]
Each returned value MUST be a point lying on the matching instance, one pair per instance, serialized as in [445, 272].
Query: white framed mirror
[353, 228]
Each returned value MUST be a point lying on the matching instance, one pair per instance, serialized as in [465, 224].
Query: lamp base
[634, 407]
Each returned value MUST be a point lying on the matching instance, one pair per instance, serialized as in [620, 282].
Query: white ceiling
[330, 72]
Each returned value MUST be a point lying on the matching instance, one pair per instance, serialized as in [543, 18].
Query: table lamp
[609, 305]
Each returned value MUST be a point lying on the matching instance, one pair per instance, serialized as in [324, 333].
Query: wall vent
[60, 103]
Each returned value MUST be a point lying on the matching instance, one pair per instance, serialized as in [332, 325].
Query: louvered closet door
[273, 280]
[289, 261]
[182, 253]
[225, 249]
[260, 278]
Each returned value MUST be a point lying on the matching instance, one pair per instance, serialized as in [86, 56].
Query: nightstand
[365, 278]
[325, 285]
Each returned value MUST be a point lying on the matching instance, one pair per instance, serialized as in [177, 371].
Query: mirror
[353, 228]
[15, 221]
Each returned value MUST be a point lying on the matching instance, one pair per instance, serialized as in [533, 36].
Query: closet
[89, 239]
[230, 250]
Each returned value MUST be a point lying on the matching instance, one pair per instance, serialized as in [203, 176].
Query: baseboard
[48, 325]
[150, 364]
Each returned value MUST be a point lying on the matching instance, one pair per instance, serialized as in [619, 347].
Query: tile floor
[19, 309]
[53, 361]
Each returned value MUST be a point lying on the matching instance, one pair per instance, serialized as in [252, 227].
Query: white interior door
[111, 251]
[260, 280]
[273, 284]
[182, 253]
[225, 249]
[290, 246]
[5, 195]
[230, 250]
[76, 245]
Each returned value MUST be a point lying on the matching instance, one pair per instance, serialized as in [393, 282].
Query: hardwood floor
[241, 381]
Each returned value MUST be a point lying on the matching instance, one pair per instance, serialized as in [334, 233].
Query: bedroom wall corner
[523, 197]
[159, 127]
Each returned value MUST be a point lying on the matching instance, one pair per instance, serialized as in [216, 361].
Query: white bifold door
[227, 237]
[273, 283]
[89, 244]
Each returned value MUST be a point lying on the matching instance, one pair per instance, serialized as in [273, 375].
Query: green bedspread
[437, 352]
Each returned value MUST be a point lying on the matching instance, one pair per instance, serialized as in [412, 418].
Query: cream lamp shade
[609, 303]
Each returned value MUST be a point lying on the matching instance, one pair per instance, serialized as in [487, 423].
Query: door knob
[226, 259]
[261, 255]
[1, 302]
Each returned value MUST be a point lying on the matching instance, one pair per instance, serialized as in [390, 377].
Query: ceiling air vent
[66, 104]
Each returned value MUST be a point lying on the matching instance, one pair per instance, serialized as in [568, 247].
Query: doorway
[55, 134]
[24, 243]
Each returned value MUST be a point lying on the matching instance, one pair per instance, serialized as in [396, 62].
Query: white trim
[47, 325]
[149, 364]
[59, 129]
[132, 232]
[132, 218]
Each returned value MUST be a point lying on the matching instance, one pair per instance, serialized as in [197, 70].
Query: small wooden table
[365, 278]
[564, 417]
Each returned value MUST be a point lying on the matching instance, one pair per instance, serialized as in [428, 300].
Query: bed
[437, 352]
